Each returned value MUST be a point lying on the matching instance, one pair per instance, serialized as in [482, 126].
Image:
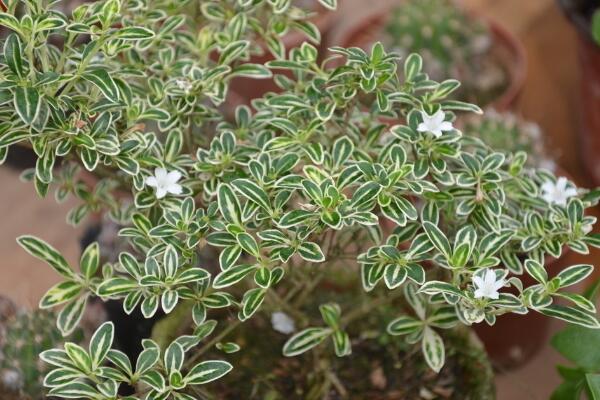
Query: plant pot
[507, 49]
[248, 89]
[579, 13]
[377, 369]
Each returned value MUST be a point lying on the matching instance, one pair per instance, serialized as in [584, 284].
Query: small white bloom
[434, 123]
[282, 323]
[164, 182]
[488, 285]
[558, 193]
[184, 84]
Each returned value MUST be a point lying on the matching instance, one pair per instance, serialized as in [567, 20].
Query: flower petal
[151, 181]
[173, 176]
[161, 192]
[160, 173]
[174, 188]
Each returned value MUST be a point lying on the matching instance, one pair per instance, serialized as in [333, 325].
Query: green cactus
[23, 338]
[452, 43]
[511, 134]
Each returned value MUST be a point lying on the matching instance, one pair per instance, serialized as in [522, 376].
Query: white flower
[282, 323]
[488, 285]
[558, 193]
[164, 182]
[184, 84]
[434, 123]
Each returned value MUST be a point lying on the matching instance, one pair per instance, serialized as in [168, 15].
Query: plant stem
[212, 342]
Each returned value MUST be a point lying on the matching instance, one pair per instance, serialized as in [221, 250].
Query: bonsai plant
[290, 194]
[487, 59]
[583, 15]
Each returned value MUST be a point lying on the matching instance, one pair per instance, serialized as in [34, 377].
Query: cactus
[452, 43]
[24, 336]
[511, 134]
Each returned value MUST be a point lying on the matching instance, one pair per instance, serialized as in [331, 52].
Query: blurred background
[537, 94]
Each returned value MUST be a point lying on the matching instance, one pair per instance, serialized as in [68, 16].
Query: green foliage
[596, 26]
[578, 345]
[307, 182]
[22, 339]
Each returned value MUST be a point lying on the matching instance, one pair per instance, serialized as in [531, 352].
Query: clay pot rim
[516, 66]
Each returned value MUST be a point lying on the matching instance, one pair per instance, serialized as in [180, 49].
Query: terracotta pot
[507, 48]
[579, 13]
[250, 88]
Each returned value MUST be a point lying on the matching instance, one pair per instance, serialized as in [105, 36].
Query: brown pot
[250, 88]
[506, 46]
[579, 12]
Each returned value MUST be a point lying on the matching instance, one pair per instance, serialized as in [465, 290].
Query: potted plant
[584, 15]
[487, 59]
[290, 196]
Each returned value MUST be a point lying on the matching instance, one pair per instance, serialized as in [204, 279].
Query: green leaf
[146, 360]
[60, 294]
[593, 383]
[229, 204]
[404, 325]
[341, 342]
[115, 286]
[330, 4]
[438, 239]
[13, 54]
[433, 349]
[101, 342]
[536, 270]
[43, 251]
[572, 315]
[331, 314]
[80, 358]
[76, 390]
[295, 217]
[207, 371]
[573, 274]
[90, 260]
[70, 315]
[232, 275]
[574, 343]
[101, 79]
[248, 243]
[305, 340]
[253, 192]
[12, 136]
[311, 252]
[412, 66]
[251, 302]
[256, 71]
[435, 287]
[394, 275]
[365, 194]
[27, 103]
[232, 51]
[133, 33]
[173, 357]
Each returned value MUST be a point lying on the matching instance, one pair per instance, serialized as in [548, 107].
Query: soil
[380, 368]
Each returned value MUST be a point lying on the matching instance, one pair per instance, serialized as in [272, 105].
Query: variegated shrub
[305, 184]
